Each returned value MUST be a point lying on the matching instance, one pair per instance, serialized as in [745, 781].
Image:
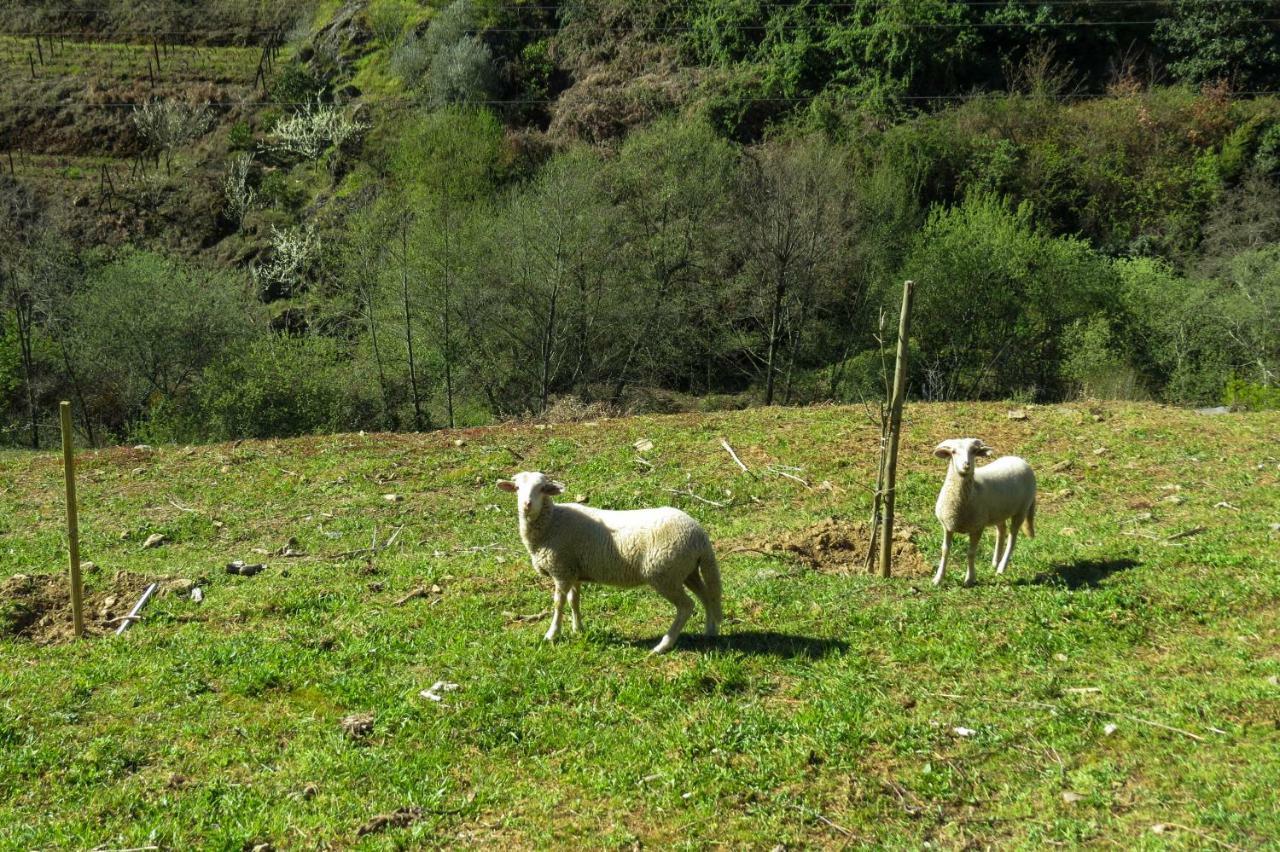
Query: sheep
[973, 499]
[572, 543]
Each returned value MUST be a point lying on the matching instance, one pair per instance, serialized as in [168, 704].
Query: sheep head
[962, 452]
[535, 491]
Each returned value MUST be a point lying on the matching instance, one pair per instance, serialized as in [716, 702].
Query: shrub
[313, 129]
[1255, 397]
[461, 73]
[237, 194]
[281, 386]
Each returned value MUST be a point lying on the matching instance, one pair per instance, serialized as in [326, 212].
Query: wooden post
[895, 424]
[73, 527]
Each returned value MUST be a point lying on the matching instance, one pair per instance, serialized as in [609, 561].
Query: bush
[1255, 397]
[993, 297]
[281, 386]
[461, 73]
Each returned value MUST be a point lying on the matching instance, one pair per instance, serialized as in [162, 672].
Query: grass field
[837, 710]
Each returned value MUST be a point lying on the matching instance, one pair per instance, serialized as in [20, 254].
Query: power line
[415, 102]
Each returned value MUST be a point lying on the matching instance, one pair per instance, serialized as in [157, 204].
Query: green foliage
[461, 73]
[295, 86]
[1094, 363]
[240, 136]
[1208, 41]
[146, 326]
[1241, 393]
[994, 294]
[280, 386]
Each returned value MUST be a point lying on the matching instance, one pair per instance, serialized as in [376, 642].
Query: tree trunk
[408, 324]
[775, 335]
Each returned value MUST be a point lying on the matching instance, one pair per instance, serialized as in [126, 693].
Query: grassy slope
[206, 722]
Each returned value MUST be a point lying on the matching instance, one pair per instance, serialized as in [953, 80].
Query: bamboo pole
[73, 527]
[895, 424]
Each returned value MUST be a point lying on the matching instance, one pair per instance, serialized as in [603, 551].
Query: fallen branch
[689, 493]
[419, 592]
[779, 472]
[724, 443]
[183, 508]
[1056, 708]
[1186, 533]
[840, 828]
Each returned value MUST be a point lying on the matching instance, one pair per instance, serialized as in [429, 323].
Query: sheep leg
[557, 611]
[942, 566]
[1001, 533]
[699, 589]
[971, 576]
[573, 608]
[684, 609]
[1008, 551]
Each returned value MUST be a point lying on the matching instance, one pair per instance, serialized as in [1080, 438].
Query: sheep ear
[983, 450]
[507, 485]
[553, 487]
[943, 450]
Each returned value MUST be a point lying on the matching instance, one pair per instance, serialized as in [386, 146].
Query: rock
[436, 590]
[1100, 451]
[1065, 464]
[1016, 414]
[179, 587]
[144, 448]
[239, 567]
[393, 498]
[1062, 658]
[1216, 409]
[89, 566]
[358, 725]
[154, 540]
[961, 731]
[309, 791]
[197, 595]
[1175, 499]
[1275, 528]
[1071, 798]
[458, 442]
[1110, 728]
[643, 445]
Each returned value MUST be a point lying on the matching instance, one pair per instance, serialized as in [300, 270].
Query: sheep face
[961, 453]
[534, 491]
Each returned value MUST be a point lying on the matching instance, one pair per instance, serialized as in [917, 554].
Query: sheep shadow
[761, 643]
[1085, 573]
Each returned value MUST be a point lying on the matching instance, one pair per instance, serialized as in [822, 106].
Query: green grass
[819, 720]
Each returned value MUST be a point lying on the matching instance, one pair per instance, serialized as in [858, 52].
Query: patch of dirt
[835, 546]
[38, 606]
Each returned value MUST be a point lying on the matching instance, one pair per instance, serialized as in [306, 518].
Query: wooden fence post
[73, 526]
[895, 425]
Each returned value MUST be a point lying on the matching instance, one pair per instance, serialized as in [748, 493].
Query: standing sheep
[572, 543]
[973, 499]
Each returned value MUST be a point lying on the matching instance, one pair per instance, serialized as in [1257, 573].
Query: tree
[672, 184]
[1208, 40]
[149, 325]
[793, 197]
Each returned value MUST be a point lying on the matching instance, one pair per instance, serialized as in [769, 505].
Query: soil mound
[836, 546]
[38, 606]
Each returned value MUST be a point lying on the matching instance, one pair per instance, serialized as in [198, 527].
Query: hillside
[396, 215]
[838, 708]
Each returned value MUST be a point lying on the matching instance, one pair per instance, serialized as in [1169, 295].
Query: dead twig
[420, 592]
[183, 508]
[1186, 533]
[1056, 708]
[840, 828]
[688, 492]
[724, 443]
[780, 472]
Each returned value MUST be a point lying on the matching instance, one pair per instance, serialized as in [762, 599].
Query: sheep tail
[709, 568]
[1031, 519]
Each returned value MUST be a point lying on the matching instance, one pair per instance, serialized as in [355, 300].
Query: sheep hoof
[661, 648]
[549, 637]
[969, 581]
[937, 579]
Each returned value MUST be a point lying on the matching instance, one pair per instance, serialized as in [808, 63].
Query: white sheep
[572, 543]
[973, 499]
